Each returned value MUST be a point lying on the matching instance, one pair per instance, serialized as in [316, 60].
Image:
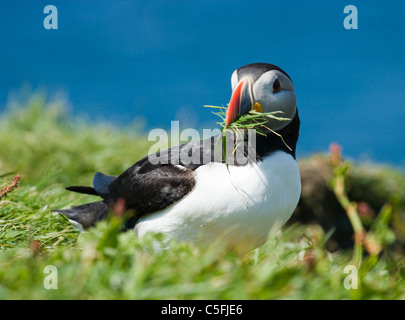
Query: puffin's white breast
[237, 205]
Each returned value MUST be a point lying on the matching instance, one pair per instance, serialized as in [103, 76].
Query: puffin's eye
[276, 86]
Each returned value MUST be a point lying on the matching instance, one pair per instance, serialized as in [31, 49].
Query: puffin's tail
[101, 182]
[86, 215]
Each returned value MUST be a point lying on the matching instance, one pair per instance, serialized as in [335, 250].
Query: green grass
[50, 150]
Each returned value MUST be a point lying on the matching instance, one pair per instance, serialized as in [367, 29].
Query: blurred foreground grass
[50, 150]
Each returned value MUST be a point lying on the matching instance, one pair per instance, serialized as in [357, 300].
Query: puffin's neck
[272, 142]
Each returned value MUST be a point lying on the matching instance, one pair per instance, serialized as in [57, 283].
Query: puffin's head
[264, 88]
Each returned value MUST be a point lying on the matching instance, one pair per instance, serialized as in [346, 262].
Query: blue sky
[164, 60]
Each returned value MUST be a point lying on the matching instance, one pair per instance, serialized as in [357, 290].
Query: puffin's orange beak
[241, 101]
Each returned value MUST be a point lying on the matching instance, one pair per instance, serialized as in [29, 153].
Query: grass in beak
[252, 120]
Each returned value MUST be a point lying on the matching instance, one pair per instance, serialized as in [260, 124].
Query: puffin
[193, 193]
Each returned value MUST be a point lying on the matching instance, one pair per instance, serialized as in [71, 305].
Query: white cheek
[262, 93]
[284, 101]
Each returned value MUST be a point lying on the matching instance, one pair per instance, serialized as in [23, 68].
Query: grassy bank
[50, 149]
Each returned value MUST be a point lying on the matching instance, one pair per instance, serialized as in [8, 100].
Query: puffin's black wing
[148, 187]
[145, 187]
